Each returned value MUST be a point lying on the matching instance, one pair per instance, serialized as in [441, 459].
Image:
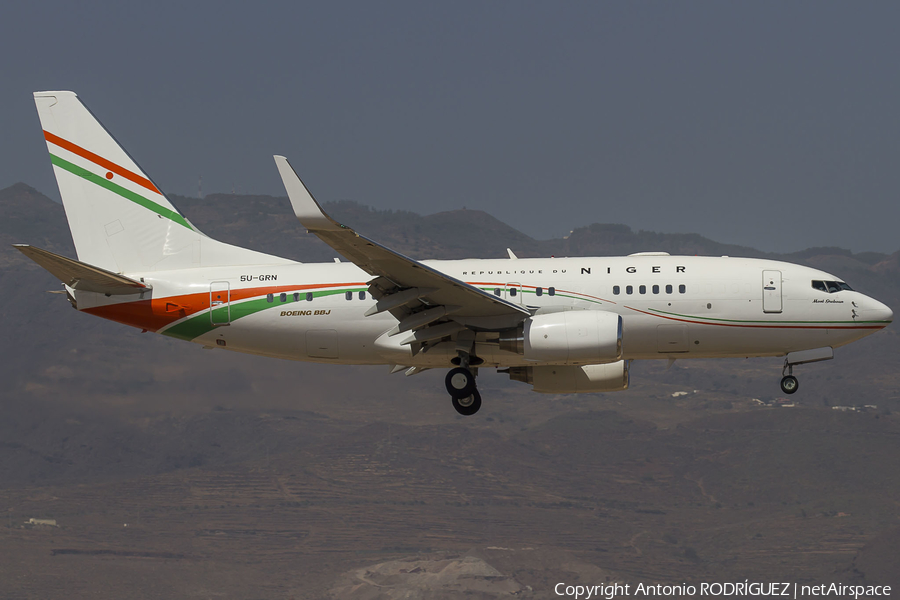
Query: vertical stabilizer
[120, 220]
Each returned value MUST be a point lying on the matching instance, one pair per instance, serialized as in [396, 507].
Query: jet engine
[569, 379]
[573, 337]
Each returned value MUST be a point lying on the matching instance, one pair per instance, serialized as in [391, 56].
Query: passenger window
[538, 291]
[496, 291]
[642, 289]
[655, 289]
[819, 285]
[682, 289]
[282, 297]
[296, 296]
[551, 291]
[348, 295]
[616, 290]
[512, 292]
[362, 295]
[669, 288]
[833, 286]
[629, 290]
[309, 296]
[270, 298]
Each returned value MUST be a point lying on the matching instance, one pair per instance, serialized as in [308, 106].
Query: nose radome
[878, 311]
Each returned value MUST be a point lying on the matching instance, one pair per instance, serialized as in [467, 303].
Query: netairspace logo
[741, 588]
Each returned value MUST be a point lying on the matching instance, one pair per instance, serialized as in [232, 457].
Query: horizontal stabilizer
[82, 276]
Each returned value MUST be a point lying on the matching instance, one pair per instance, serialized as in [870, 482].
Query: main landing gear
[460, 383]
[468, 405]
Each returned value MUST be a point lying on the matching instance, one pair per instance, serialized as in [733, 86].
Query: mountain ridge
[228, 217]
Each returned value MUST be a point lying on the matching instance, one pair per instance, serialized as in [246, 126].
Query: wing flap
[82, 276]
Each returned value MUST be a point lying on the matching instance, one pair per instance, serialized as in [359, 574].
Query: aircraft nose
[876, 311]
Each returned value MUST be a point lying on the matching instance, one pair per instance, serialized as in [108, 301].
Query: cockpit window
[830, 287]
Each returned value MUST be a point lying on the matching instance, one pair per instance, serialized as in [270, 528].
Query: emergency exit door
[513, 292]
[771, 291]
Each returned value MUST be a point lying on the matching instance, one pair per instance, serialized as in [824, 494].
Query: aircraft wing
[82, 276]
[413, 292]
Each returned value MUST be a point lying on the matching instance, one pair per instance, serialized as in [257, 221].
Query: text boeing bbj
[563, 325]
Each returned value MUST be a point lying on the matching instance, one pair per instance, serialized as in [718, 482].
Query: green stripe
[118, 189]
[767, 322]
[196, 325]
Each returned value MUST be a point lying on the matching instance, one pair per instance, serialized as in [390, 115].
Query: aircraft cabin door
[220, 303]
[771, 291]
[513, 292]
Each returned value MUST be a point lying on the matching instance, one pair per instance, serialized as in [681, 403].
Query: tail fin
[120, 220]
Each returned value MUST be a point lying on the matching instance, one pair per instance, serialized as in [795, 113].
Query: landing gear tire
[468, 405]
[460, 383]
[789, 384]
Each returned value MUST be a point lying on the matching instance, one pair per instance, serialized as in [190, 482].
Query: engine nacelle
[568, 379]
[574, 337]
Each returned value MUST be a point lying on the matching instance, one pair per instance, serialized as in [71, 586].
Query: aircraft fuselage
[671, 307]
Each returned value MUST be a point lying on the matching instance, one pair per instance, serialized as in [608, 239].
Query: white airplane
[563, 325]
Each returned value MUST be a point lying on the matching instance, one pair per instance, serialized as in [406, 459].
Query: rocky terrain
[172, 471]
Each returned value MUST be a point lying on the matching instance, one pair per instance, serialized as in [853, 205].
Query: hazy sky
[769, 124]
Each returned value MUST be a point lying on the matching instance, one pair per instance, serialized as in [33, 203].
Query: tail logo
[112, 169]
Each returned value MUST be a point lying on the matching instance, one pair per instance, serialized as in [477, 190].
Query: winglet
[512, 256]
[305, 206]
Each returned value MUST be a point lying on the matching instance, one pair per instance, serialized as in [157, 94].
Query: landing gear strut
[789, 383]
[460, 383]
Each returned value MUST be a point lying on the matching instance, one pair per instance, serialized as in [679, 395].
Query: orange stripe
[534, 287]
[99, 160]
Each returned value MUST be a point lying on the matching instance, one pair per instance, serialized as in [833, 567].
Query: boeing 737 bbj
[562, 325]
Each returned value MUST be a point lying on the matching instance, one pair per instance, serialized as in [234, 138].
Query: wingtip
[306, 209]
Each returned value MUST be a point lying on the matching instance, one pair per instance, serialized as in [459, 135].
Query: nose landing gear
[789, 383]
